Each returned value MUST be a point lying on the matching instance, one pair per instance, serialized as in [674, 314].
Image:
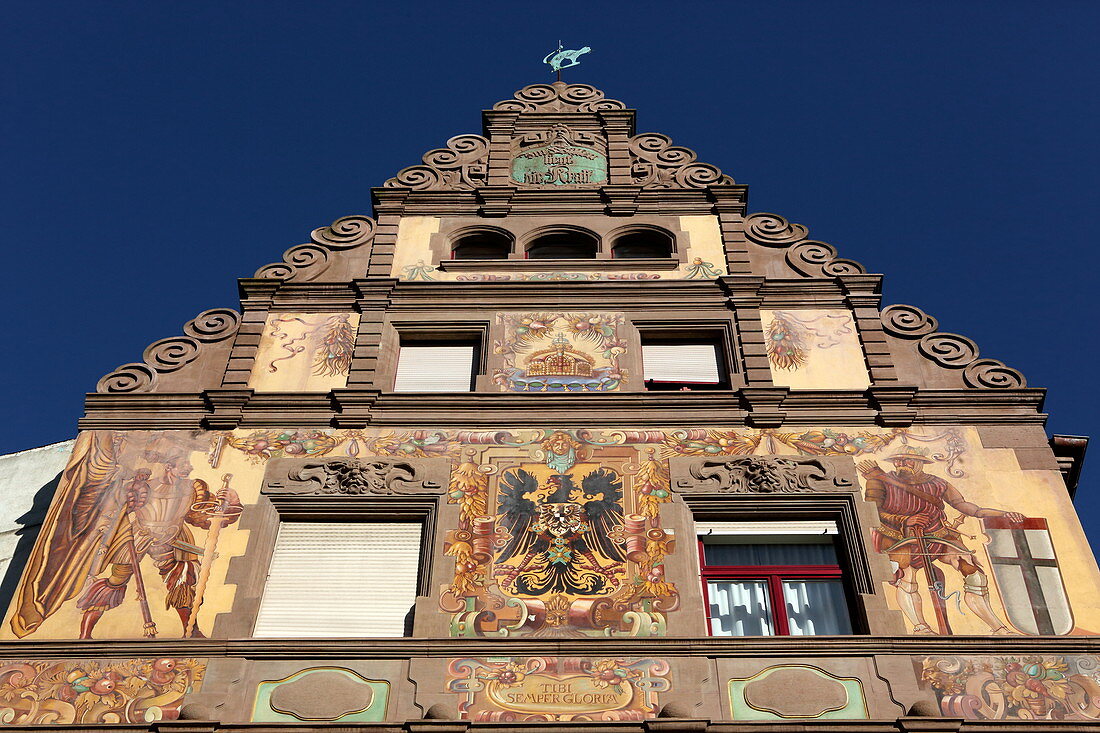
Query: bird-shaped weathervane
[557, 59]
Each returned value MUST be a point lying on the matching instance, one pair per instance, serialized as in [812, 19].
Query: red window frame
[773, 575]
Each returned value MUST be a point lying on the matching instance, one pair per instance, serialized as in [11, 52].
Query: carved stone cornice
[758, 475]
[894, 404]
[442, 647]
[495, 200]
[309, 261]
[355, 408]
[763, 405]
[226, 407]
[171, 354]
[949, 350]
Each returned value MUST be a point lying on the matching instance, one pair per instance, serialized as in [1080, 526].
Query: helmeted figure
[914, 532]
[106, 522]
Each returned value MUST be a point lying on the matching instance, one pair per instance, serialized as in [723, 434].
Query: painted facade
[560, 574]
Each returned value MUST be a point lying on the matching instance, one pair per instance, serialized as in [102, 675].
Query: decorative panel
[550, 351]
[529, 689]
[814, 349]
[304, 352]
[95, 692]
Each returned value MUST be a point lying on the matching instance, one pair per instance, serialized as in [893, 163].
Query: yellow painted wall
[814, 349]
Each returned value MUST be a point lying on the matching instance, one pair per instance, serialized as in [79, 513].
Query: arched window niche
[563, 243]
[641, 243]
[483, 243]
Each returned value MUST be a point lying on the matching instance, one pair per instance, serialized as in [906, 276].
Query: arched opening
[642, 244]
[569, 244]
[482, 244]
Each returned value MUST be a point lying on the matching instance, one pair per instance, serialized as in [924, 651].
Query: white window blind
[340, 580]
[681, 363]
[434, 369]
[811, 526]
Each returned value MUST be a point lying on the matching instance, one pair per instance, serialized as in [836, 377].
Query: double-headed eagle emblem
[560, 532]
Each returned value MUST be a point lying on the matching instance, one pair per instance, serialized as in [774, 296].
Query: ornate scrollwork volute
[772, 230]
[558, 97]
[818, 259]
[762, 475]
[949, 350]
[354, 476]
[170, 354]
[462, 165]
[305, 262]
[907, 322]
[657, 163]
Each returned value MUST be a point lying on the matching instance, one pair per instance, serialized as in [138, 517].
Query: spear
[218, 512]
[150, 629]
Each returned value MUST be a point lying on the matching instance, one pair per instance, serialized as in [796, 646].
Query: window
[481, 244]
[642, 244]
[565, 244]
[340, 580]
[436, 366]
[772, 578]
[671, 362]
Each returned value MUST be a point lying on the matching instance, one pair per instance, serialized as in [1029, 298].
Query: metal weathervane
[557, 59]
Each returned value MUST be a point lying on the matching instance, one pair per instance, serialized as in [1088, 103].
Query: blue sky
[154, 151]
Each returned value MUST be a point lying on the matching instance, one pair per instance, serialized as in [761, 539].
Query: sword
[930, 572]
[218, 512]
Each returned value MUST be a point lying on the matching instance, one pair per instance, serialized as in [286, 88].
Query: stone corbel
[893, 403]
[621, 200]
[763, 405]
[226, 406]
[760, 475]
[353, 406]
[495, 200]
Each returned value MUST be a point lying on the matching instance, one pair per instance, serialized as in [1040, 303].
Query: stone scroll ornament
[170, 354]
[657, 163]
[356, 477]
[305, 262]
[949, 350]
[462, 165]
[762, 475]
[806, 256]
[558, 97]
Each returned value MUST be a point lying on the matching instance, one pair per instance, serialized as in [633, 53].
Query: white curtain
[815, 607]
[739, 608]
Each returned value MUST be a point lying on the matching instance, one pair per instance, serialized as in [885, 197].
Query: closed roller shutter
[696, 363]
[812, 526]
[434, 369]
[340, 580]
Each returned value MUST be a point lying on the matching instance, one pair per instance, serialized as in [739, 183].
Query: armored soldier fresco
[125, 499]
[915, 533]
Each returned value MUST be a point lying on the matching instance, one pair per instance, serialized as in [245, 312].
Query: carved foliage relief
[304, 352]
[550, 351]
[814, 349]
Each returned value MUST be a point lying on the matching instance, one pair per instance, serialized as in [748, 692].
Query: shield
[1028, 576]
